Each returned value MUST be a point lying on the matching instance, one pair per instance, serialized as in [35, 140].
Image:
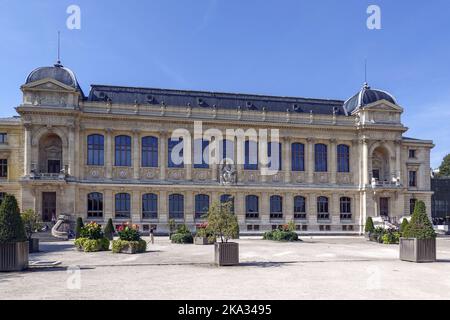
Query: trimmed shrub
[135, 246]
[403, 226]
[391, 237]
[11, 224]
[109, 230]
[92, 231]
[369, 228]
[92, 245]
[181, 238]
[78, 227]
[281, 235]
[420, 226]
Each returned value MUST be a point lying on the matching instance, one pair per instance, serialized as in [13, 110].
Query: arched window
[123, 151]
[276, 207]
[201, 205]
[149, 152]
[225, 198]
[252, 206]
[123, 205]
[346, 208]
[95, 150]
[321, 157]
[343, 158]
[175, 160]
[150, 206]
[95, 205]
[322, 208]
[299, 208]
[251, 155]
[298, 157]
[277, 148]
[176, 206]
[201, 154]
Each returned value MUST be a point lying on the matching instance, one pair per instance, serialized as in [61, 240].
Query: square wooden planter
[226, 254]
[415, 250]
[14, 256]
[203, 241]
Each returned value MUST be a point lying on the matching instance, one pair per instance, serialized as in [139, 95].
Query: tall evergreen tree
[11, 224]
[444, 169]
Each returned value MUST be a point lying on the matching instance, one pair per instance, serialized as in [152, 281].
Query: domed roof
[367, 96]
[57, 72]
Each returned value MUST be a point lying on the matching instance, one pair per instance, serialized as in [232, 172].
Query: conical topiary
[369, 228]
[78, 227]
[403, 226]
[420, 226]
[11, 224]
[109, 230]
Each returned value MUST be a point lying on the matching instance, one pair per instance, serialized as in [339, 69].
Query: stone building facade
[107, 155]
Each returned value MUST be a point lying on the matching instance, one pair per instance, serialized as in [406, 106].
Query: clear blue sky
[296, 48]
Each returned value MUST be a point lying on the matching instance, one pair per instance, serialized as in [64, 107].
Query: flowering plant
[92, 231]
[203, 231]
[129, 233]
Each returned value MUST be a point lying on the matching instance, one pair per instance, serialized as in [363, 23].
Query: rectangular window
[3, 168]
[175, 160]
[413, 179]
[412, 154]
[298, 157]
[274, 164]
[412, 205]
[123, 151]
[149, 152]
[251, 155]
[343, 158]
[321, 158]
[96, 146]
[201, 160]
[3, 138]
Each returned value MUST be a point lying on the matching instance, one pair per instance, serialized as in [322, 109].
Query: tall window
[251, 207]
[201, 154]
[201, 205]
[123, 151]
[298, 157]
[251, 155]
[149, 206]
[299, 208]
[412, 178]
[322, 208]
[274, 165]
[276, 207]
[176, 206]
[412, 205]
[3, 138]
[346, 208]
[172, 159]
[95, 205]
[149, 152]
[343, 158]
[123, 205]
[3, 168]
[96, 147]
[227, 198]
[321, 157]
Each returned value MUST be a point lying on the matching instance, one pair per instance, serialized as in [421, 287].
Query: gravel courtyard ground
[317, 268]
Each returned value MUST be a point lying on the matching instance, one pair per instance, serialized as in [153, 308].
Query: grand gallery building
[108, 155]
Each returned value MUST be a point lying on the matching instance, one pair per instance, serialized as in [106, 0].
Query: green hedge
[92, 245]
[182, 238]
[136, 246]
[281, 235]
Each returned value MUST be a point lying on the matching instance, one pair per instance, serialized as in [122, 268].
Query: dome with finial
[57, 72]
[367, 96]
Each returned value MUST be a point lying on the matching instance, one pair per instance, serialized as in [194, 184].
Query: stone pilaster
[163, 210]
[136, 155]
[287, 158]
[163, 155]
[109, 153]
[310, 160]
[28, 150]
[189, 213]
[288, 207]
[333, 161]
[108, 200]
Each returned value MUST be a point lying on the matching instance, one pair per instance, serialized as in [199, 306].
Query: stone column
[108, 200]
[136, 157]
[334, 208]
[287, 166]
[27, 151]
[310, 160]
[163, 210]
[288, 207]
[108, 153]
[189, 214]
[398, 159]
[264, 208]
[311, 207]
[136, 216]
[333, 161]
[365, 162]
[162, 155]
[239, 166]
[71, 150]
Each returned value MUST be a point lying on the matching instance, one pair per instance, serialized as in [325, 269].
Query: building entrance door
[48, 206]
[384, 207]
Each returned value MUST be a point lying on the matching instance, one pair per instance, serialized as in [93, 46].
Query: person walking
[152, 237]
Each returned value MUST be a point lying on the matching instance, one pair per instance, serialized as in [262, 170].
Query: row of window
[202, 201]
[149, 154]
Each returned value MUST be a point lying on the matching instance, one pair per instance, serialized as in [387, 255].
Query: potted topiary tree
[109, 230]
[33, 224]
[404, 225]
[369, 228]
[418, 242]
[13, 240]
[223, 224]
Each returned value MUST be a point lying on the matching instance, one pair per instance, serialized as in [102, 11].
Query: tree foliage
[444, 169]
[369, 228]
[222, 222]
[109, 230]
[32, 222]
[78, 227]
[11, 224]
[420, 226]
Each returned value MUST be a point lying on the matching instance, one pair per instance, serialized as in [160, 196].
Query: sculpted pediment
[383, 105]
[47, 85]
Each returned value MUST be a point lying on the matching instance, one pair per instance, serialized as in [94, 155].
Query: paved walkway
[317, 268]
